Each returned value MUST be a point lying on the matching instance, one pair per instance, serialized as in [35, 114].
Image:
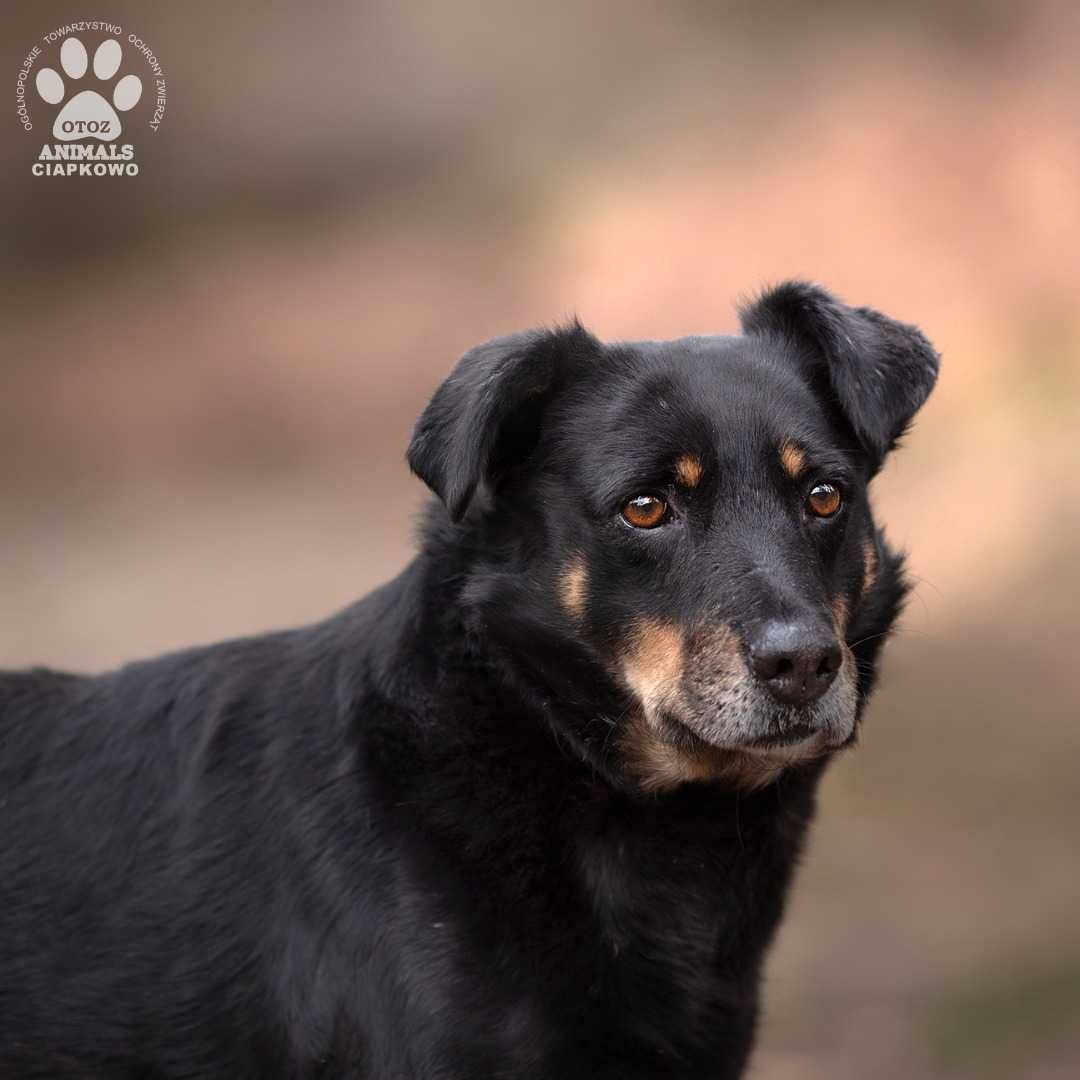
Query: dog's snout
[797, 661]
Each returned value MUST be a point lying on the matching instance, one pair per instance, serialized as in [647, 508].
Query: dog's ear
[875, 370]
[486, 416]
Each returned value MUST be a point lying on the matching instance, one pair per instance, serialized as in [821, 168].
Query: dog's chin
[766, 733]
[787, 749]
[793, 746]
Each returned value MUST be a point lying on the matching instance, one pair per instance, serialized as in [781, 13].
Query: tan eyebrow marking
[688, 470]
[573, 583]
[792, 458]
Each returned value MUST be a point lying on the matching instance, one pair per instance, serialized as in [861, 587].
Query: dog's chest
[679, 929]
[648, 901]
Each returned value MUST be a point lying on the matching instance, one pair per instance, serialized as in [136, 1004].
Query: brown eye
[644, 511]
[823, 500]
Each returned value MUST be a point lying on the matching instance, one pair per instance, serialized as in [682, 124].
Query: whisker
[892, 632]
[869, 637]
[917, 581]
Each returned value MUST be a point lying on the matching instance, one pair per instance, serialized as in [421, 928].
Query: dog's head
[670, 543]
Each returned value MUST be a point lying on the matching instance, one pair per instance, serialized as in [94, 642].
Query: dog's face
[673, 547]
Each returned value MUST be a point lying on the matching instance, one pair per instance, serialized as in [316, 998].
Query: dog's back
[151, 852]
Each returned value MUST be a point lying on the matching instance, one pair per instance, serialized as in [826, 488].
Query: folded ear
[875, 370]
[486, 416]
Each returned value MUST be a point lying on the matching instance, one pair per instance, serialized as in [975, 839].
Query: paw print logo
[88, 113]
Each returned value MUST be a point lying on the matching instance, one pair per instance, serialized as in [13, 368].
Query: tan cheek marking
[573, 584]
[841, 617]
[792, 459]
[688, 470]
[870, 564]
[839, 605]
[653, 665]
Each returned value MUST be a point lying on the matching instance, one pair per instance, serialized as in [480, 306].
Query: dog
[530, 810]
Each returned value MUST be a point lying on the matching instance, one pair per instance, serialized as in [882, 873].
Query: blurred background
[210, 372]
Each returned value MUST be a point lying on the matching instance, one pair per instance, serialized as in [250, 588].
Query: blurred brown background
[210, 372]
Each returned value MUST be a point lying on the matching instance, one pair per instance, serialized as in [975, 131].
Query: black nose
[797, 661]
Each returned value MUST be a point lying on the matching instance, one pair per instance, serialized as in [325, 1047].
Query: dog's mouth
[665, 750]
[787, 737]
[764, 733]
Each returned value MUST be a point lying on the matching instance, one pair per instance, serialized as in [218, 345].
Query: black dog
[529, 811]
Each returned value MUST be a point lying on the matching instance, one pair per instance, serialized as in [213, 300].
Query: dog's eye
[823, 500]
[645, 511]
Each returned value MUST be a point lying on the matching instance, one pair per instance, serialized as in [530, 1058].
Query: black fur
[407, 842]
